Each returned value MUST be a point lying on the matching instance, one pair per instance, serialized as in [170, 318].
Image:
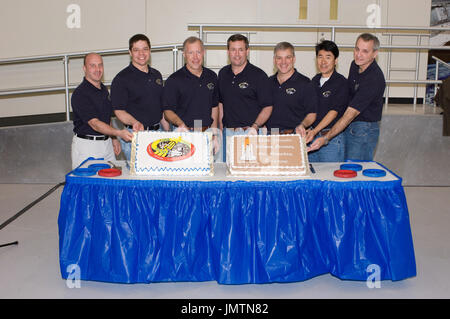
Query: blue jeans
[126, 146]
[334, 151]
[361, 139]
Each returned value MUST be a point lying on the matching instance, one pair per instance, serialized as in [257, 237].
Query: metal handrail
[346, 46]
[333, 28]
[82, 54]
[436, 74]
[308, 26]
[202, 26]
[61, 87]
[66, 87]
[426, 32]
[440, 61]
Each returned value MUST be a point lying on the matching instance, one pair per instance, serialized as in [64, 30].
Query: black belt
[203, 128]
[324, 131]
[244, 128]
[93, 137]
[287, 131]
[281, 131]
[148, 128]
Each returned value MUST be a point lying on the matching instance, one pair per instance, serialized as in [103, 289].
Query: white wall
[30, 28]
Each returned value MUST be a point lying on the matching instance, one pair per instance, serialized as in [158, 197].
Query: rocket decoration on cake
[247, 151]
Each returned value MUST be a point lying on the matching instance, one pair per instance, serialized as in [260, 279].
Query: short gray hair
[284, 46]
[370, 37]
[191, 40]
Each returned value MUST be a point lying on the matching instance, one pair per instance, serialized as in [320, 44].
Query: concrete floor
[31, 268]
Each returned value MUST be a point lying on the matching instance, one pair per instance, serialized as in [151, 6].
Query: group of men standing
[339, 117]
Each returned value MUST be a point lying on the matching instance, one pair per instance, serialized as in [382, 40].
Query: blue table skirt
[233, 232]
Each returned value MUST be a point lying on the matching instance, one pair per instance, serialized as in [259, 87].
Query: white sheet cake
[260, 155]
[172, 153]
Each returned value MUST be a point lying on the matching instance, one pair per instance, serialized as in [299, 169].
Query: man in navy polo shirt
[190, 98]
[136, 92]
[244, 90]
[361, 119]
[245, 97]
[332, 92]
[92, 111]
[294, 107]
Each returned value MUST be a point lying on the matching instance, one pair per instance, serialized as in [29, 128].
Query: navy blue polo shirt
[243, 95]
[366, 91]
[191, 97]
[293, 100]
[89, 102]
[139, 93]
[333, 95]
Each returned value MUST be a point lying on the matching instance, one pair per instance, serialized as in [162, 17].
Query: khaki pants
[83, 149]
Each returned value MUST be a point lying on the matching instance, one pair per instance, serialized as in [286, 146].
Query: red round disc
[345, 173]
[109, 172]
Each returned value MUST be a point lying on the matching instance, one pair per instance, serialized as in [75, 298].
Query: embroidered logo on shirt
[210, 86]
[158, 81]
[243, 85]
[290, 91]
[326, 93]
[356, 86]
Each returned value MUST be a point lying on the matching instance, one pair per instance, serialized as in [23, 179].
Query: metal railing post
[66, 86]
[388, 75]
[175, 58]
[417, 72]
[436, 77]
[200, 32]
[436, 74]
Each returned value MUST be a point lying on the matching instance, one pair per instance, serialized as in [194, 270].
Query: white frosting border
[200, 170]
[297, 170]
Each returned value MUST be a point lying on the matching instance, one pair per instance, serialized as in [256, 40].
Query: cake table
[235, 230]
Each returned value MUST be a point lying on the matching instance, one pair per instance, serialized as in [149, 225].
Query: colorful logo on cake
[170, 149]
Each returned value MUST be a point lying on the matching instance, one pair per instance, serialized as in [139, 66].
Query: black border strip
[23, 210]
